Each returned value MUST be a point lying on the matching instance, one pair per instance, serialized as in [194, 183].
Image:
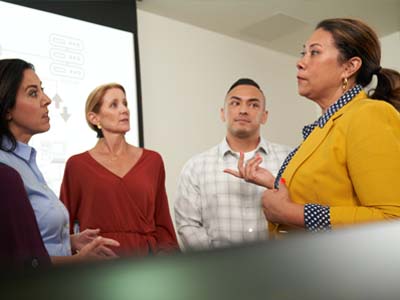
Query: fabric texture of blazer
[352, 165]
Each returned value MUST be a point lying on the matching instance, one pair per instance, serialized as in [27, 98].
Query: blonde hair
[95, 101]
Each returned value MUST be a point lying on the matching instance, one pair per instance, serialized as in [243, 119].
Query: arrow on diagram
[57, 100]
[65, 115]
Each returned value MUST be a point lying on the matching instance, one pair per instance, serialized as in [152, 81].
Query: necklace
[107, 152]
[114, 158]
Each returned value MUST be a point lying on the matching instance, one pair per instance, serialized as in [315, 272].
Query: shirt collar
[224, 147]
[22, 150]
[342, 101]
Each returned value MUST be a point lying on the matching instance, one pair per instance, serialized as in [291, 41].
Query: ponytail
[388, 87]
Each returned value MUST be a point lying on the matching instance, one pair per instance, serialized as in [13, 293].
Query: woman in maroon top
[22, 245]
[118, 187]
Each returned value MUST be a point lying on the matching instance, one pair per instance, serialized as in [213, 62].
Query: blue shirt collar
[22, 150]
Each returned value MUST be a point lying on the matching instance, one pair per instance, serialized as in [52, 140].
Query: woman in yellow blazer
[346, 170]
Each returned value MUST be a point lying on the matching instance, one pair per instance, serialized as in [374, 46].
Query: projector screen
[71, 57]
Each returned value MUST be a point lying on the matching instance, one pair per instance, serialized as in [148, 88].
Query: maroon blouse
[132, 209]
[21, 243]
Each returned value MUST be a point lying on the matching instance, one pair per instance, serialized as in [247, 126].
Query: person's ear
[9, 116]
[352, 66]
[222, 114]
[264, 117]
[93, 118]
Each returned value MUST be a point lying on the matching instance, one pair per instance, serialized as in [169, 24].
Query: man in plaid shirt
[215, 209]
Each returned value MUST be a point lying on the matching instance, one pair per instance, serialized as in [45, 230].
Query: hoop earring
[98, 126]
[344, 84]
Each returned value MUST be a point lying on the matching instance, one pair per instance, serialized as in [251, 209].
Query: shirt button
[35, 263]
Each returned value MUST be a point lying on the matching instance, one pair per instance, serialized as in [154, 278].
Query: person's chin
[302, 92]
[43, 129]
[241, 133]
[124, 130]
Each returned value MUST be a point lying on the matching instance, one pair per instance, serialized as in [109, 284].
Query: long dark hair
[11, 75]
[355, 38]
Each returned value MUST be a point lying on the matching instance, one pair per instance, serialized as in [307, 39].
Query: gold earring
[344, 84]
[99, 126]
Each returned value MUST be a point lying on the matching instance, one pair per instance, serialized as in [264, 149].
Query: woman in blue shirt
[24, 113]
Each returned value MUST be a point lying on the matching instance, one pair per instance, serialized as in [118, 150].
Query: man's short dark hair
[245, 81]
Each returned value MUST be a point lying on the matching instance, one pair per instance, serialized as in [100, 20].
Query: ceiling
[281, 25]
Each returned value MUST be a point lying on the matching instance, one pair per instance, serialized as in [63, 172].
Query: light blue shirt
[51, 214]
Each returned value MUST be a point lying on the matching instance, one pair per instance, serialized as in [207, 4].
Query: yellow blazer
[352, 164]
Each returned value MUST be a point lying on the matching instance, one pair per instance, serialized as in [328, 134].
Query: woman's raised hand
[252, 172]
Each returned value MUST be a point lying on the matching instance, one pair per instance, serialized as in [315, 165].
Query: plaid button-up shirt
[215, 209]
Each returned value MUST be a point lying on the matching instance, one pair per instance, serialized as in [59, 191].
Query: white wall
[185, 74]
[390, 51]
